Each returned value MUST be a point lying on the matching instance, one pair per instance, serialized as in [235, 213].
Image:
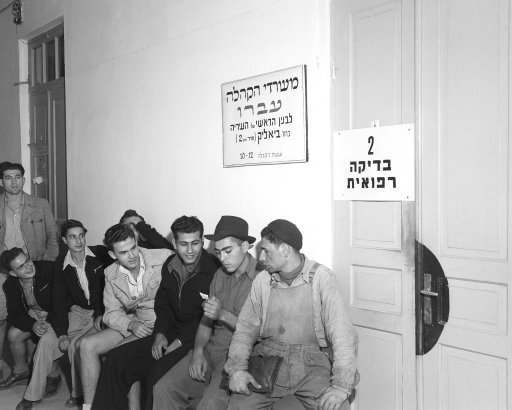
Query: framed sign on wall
[264, 118]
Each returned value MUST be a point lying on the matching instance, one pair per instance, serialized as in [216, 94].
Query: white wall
[144, 116]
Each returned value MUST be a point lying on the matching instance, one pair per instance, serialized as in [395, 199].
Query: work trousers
[47, 351]
[176, 390]
[127, 364]
[305, 373]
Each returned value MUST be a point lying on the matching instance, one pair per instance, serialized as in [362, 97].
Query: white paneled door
[373, 50]
[465, 197]
[444, 65]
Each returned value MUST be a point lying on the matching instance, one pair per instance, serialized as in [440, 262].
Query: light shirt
[135, 285]
[13, 235]
[80, 271]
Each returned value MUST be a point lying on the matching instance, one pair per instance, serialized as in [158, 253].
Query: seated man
[199, 373]
[301, 337]
[178, 307]
[29, 294]
[147, 236]
[78, 295]
[131, 284]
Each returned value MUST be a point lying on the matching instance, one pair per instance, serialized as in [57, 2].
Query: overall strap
[312, 272]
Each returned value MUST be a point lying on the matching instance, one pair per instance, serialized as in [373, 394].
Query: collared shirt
[13, 236]
[80, 271]
[135, 285]
[232, 292]
[332, 324]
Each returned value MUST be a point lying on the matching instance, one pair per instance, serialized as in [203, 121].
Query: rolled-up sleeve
[340, 332]
[247, 328]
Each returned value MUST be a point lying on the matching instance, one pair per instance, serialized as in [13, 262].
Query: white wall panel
[380, 364]
[376, 225]
[471, 381]
[478, 306]
[377, 289]
[376, 65]
[473, 127]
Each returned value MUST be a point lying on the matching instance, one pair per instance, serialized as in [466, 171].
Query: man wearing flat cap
[296, 312]
[199, 373]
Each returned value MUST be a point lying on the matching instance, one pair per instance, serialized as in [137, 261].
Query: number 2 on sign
[370, 141]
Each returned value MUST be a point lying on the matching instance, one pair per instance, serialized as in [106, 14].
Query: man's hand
[332, 399]
[212, 308]
[38, 314]
[98, 323]
[198, 365]
[139, 329]
[175, 344]
[159, 346]
[239, 381]
[40, 328]
[63, 343]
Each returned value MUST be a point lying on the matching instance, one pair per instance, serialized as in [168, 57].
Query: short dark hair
[187, 224]
[117, 233]
[70, 223]
[128, 213]
[8, 256]
[8, 166]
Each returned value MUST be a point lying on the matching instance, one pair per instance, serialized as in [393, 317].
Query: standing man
[302, 337]
[29, 295]
[198, 375]
[178, 307]
[27, 221]
[78, 295]
[131, 284]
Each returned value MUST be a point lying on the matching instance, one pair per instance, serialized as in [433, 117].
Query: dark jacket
[151, 238]
[68, 292]
[17, 309]
[178, 312]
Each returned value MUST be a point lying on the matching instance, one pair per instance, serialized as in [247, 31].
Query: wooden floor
[11, 397]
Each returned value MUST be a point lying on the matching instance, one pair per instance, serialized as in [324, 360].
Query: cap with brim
[231, 226]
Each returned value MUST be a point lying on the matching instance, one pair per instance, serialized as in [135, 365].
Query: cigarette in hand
[204, 296]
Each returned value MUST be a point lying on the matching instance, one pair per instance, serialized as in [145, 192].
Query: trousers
[127, 364]
[47, 351]
[176, 390]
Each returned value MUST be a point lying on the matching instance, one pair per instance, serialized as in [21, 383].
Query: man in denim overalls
[295, 310]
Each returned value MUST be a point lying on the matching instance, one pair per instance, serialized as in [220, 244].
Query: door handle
[432, 301]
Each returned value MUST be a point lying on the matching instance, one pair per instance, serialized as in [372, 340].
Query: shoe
[14, 379]
[74, 401]
[25, 405]
[52, 385]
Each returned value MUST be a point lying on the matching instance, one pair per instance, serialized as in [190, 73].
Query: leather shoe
[52, 385]
[74, 401]
[14, 379]
[25, 405]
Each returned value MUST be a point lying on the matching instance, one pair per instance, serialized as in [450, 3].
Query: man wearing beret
[198, 374]
[295, 311]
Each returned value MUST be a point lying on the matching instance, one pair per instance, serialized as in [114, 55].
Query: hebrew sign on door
[374, 164]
